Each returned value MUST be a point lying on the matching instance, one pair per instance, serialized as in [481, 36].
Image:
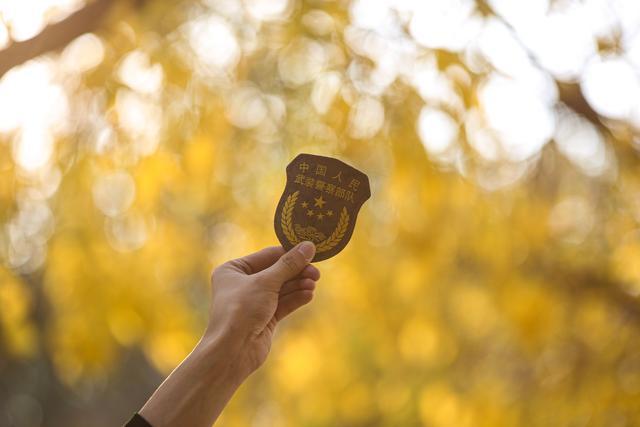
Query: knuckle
[291, 262]
[240, 264]
[215, 273]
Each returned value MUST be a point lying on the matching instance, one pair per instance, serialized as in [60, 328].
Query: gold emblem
[296, 233]
[321, 211]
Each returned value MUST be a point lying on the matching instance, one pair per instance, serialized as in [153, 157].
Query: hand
[250, 295]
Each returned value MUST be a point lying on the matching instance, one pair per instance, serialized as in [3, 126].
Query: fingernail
[307, 249]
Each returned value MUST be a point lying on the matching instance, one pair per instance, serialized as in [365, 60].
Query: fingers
[311, 271]
[289, 265]
[305, 280]
[291, 302]
[258, 261]
[296, 285]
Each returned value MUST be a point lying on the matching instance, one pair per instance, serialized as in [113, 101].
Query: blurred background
[493, 277]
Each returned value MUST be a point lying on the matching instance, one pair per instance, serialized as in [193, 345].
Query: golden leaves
[445, 284]
[337, 234]
[15, 311]
[286, 221]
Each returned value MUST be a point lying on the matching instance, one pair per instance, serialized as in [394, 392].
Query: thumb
[290, 264]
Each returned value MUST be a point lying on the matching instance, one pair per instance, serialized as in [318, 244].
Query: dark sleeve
[137, 421]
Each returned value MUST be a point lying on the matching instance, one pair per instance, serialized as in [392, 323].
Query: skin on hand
[250, 295]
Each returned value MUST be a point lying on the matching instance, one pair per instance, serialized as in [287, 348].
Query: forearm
[250, 295]
[195, 393]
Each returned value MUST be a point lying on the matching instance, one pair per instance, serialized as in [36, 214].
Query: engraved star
[320, 216]
[305, 204]
[309, 212]
[329, 213]
[319, 201]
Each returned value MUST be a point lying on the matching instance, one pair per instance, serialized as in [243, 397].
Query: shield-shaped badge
[320, 203]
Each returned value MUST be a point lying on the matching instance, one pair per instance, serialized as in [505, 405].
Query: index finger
[262, 259]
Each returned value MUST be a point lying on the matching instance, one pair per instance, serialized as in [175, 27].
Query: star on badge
[319, 201]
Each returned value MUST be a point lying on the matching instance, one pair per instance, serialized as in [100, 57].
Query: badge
[320, 203]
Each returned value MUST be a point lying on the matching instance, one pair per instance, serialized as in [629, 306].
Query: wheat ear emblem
[287, 225]
[285, 221]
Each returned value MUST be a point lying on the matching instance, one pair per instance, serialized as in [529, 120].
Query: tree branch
[55, 36]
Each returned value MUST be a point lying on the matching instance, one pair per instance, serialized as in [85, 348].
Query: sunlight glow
[33, 105]
[627, 13]
[213, 40]
[523, 121]
[571, 220]
[268, 10]
[325, 88]
[612, 87]
[33, 148]
[376, 15]
[319, 22]
[28, 95]
[141, 118]
[137, 73]
[581, 143]
[82, 54]
[520, 13]
[561, 38]
[126, 232]
[447, 25]
[28, 231]
[483, 140]
[493, 272]
[562, 43]
[26, 18]
[390, 57]
[246, 107]
[301, 61]
[432, 85]
[113, 193]
[499, 46]
[366, 118]
[437, 130]
[631, 45]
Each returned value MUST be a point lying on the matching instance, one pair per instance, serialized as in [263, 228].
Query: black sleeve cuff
[137, 421]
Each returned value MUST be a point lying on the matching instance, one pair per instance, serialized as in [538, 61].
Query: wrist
[198, 389]
[223, 352]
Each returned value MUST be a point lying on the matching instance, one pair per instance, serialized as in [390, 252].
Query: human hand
[251, 294]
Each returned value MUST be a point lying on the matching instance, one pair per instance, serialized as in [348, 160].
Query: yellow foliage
[299, 364]
[440, 406]
[484, 285]
[18, 332]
